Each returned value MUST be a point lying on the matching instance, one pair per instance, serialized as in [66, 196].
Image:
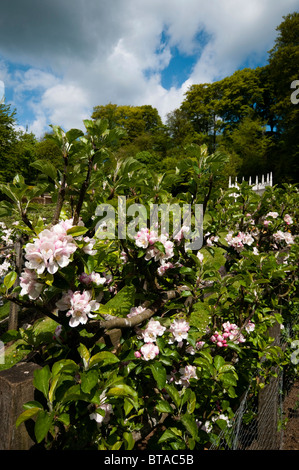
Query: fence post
[16, 388]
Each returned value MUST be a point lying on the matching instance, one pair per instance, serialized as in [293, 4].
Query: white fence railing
[259, 186]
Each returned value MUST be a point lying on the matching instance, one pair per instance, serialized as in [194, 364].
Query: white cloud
[76, 55]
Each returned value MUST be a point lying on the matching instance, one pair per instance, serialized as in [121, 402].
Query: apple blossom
[30, 285]
[78, 305]
[188, 372]
[288, 219]
[152, 330]
[149, 351]
[179, 329]
[51, 250]
[135, 311]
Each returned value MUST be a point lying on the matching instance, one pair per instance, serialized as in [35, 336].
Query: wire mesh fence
[258, 422]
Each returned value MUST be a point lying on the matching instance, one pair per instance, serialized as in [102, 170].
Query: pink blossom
[149, 351]
[179, 329]
[200, 256]
[95, 278]
[137, 354]
[164, 267]
[283, 236]
[51, 250]
[30, 285]
[187, 373]
[274, 215]
[239, 240]
[141, 239]
[78, 305]
[152, 330]
[181, 233]
[288, 219]
[102, 418]
[135, 311]
[230, 332]
[250, 326]
[88, 247]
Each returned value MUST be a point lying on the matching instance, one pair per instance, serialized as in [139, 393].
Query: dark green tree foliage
[282, 71]
[8, 137]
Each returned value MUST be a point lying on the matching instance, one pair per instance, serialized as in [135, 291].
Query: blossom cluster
[6, 239]
[178, 332]
[238, 241]
[149, 335]
[51, 250]
[78, 305]
[92, 278]
[30, 284]
[286, 237]
[230, 332]
[146, 239]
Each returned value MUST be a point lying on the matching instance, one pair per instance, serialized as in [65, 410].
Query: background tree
[8, 137]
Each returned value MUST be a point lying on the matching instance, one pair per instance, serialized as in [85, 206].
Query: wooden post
[16, 388]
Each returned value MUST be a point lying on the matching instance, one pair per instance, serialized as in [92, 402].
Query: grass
[4, 311]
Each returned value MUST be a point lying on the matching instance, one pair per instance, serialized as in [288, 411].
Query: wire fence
[258, 422]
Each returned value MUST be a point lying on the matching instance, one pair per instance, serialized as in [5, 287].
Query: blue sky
[60, 58]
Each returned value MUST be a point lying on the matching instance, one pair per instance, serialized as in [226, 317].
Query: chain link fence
[258, 422]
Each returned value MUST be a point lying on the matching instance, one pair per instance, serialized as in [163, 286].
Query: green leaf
[32, 404]
[89, 380]
[27, 414]
[228, 379]
[191, 403]
[190, 424]
[77, 231]
[164, 407]
[45, 167]
[129, 441]
[41, 380]
[105, 357]
[123, 390]
[122, 302]
[174, 394]
[53, 387]
[43, 423]
[73, 134]
[200, 317]
[170, 434]
[10, 279]
[218, 362]
[84, 354]
[66, 365]
[159, 374]
[10, 192]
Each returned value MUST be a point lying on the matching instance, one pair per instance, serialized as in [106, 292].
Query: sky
[60, 58]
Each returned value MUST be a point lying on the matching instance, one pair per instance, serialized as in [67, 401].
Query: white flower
[30, 285]
[149, 351]
[79, 306]
[153, 329]
[187, 373]
[179, 329]
[135, 311]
